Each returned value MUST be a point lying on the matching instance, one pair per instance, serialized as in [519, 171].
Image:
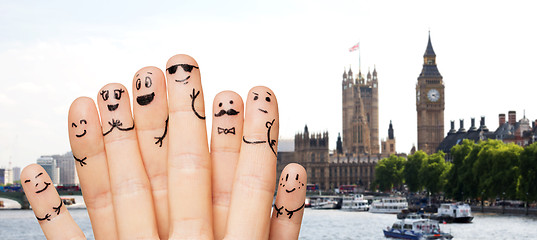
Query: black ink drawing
[148, 98]
[282, 184]
[194, 95]
[47, 217]
[105, 94]
[230, 112]
[37, 184]
[256, 97]
[271, 142]
[57, 209]
[81, 161]
[186, 67]
[160, 139]
[278, 210]
[82, 121]
[226, 130]
[289, 212]
[117, 124]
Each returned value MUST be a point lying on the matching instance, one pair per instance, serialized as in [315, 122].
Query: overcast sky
[54, 51]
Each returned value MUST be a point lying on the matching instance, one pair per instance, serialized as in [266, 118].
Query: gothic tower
[360, 113]
[430, 103]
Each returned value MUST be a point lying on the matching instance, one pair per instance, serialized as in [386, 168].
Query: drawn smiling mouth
[183, 80]
[263, 110]
[46, 186]
[81, 135]
[145, 99]
[112, 107]
[290, 191]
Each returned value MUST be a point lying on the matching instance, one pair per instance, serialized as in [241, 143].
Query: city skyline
[51, 53]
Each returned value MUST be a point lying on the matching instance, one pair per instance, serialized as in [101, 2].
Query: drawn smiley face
[183, 75]
[82, 121]
[230, 111]
[40, 188]
[105, 94]
[141, 82]
[293, 184]
[262, 97]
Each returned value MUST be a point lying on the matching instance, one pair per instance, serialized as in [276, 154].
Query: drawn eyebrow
[39, 175]
[137, 75]
[150, 72]
[255, 93]
[27, 181]
[269, 94]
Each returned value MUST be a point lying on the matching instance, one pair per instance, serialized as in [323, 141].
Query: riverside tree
[389, 172]
[433, 172]
[412, 169]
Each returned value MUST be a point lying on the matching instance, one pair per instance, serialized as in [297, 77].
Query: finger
[131, 191]
[253, 186]
[289, 205]
[189, 165]
[150, 107]
[87, 146]
[53, 217]
[226, 137]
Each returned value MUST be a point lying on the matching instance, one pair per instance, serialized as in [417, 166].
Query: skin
[138, 188]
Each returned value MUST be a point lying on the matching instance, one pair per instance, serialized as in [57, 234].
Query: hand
[153, 176]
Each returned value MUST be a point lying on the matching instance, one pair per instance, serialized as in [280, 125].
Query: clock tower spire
[430, 103]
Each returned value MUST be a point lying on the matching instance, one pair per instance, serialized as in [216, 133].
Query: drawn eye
[117, 93]
[286, 177]
[73, 125]
[148, 82]
[138, 84]
[231, 102]
[105, 94]
[172, 69]
[220, 105]
[186, 67]
[27, 181]
[83, 121]
[255, 98]
[296, 177]
[267, 99]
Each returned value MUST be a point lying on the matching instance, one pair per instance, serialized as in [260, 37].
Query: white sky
[54, 51]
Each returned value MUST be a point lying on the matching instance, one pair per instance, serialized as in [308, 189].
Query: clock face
[433, 95]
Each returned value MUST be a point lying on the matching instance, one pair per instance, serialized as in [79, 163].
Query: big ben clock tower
[430, 103]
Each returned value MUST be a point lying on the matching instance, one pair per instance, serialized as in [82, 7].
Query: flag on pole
[354, 48]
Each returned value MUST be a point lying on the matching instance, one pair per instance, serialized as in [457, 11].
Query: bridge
[20, 197]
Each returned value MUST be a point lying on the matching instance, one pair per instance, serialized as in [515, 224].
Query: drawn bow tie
[226, 130]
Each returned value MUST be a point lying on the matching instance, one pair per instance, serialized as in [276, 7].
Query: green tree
[456, 176]
[433, 172]
[527, 178]
[412, 169]
[389, 172]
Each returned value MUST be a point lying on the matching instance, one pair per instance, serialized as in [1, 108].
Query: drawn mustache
[229, 112]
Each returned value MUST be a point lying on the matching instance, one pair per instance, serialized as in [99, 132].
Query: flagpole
[359, 58]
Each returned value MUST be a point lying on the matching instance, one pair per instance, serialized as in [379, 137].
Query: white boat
[355, 203]
[416, 228]
[326, 202]
[454, 212]
[388, 205]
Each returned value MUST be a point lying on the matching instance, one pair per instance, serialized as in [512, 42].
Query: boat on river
[416, 228]
[326, 202]
[454, 212]
[355, 203]
[389, 205]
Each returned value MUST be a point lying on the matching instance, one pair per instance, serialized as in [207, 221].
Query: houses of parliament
[357, 146]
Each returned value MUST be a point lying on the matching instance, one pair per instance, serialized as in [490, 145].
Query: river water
[317, 224]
